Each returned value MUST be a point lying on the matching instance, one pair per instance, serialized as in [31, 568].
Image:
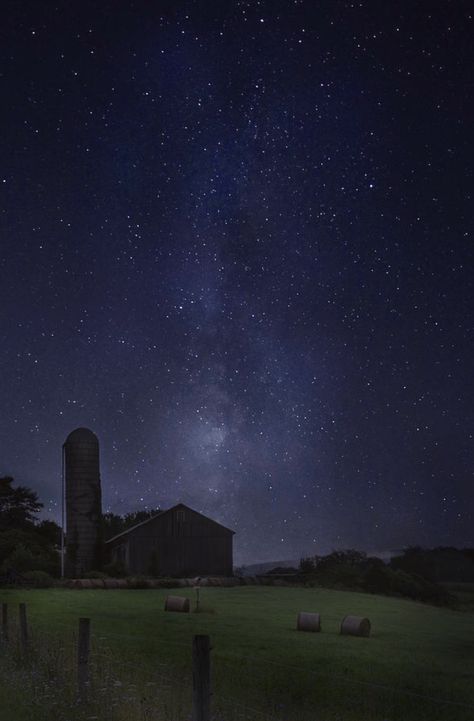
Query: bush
[23, 559]
[116, 569]
[97, 574]
[138, 582]
[390, 582]
[307, 565]
[354, 570]
[38, 579]
[436, 564]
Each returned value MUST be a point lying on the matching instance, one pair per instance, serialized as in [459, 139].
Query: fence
[89, 662]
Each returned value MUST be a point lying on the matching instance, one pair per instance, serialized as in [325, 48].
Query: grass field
[416, 657]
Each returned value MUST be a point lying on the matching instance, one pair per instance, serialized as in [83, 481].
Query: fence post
[23, 629]
[201, 679]
[83, 648]
[5, 622]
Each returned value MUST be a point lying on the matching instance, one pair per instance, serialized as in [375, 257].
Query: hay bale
[355, 626]
[96, 582]
[74, 583]
[164, 583]
[86, 583]
[308, 622]
[111, 583]
[177, 603]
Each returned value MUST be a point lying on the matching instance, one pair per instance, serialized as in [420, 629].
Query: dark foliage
[38, 579]
[115, 570]
[29, 558]
[25, 545]
[18, 506]
[356, 571]
[50, 532]
[443, 564]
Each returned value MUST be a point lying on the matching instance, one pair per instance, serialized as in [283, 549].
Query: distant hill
[256, 569]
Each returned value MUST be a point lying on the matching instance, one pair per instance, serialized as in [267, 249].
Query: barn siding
[190, 546]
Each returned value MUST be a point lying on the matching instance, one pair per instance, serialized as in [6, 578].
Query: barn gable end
[176, 542]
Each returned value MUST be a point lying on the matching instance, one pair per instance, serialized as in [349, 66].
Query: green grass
[12, 706]
[263, 663]
[464, 594]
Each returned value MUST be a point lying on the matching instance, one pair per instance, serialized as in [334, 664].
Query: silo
[83, 502]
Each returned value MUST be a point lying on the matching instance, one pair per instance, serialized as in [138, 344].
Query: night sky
[236, 243]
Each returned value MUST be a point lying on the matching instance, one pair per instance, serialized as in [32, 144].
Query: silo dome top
[82, 435]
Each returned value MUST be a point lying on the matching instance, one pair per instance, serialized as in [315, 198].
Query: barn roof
[163, 513]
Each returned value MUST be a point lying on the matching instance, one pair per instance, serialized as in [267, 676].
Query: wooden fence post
[5, 622]
[83, 648]
[23, 629]
[201, 679]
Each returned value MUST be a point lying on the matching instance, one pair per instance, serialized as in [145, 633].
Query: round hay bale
[308, 622]
[177, 603]
[110, 583]
[355, 626]
[96, 582]
[163, 583]
[86, 583]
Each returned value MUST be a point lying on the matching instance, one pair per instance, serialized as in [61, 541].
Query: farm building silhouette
[175, 542]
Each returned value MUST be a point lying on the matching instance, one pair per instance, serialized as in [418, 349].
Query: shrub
[38, 579]
[388, 581]
[23, 559]
[97, 574]
[436, 564]
[138, 582]
[116, 569]
[379, 579]
[307, 565]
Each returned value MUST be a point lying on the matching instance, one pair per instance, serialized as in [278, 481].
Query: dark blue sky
[236, 243]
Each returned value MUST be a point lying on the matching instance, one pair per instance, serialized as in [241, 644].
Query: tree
[50, 532]
[18, 506]
[114, 524]
[25, 544]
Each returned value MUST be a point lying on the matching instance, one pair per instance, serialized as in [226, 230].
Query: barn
[178, 542]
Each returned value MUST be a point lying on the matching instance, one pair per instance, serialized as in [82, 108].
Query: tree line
[31, 546]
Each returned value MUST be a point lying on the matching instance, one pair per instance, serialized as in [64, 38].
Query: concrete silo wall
[83, 502]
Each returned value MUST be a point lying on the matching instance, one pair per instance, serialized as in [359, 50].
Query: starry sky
[236, 243]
